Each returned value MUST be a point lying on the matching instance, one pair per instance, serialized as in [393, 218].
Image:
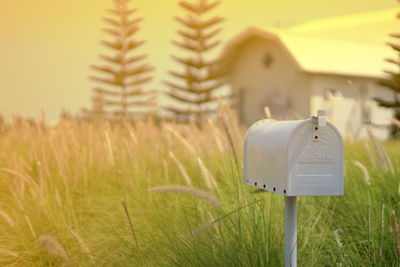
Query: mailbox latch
[319, 122]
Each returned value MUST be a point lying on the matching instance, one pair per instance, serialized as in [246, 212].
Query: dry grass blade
[337, 238]
[387, 159]
[109, 149]
[53, 246]
[364, 170]
[226, 129]
[130, 223]
[383, 216]
[181, 168]
[6, 252]
[58, 198]
[7, 218]
[399, 190]
[83, 245]
[23, 177]
[267, 112]
[206, 174]
[369, 217]
[165, 167]
[183, 140]
[382, 227]
[188, 191]
[133, 137]
[207, 225]
[378, 150]
[202, 229]
[216, 133]
[370, 154]
[28, 221]
[396, 234]
[383, 156]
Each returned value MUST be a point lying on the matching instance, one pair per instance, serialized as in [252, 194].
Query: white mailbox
[295, 158]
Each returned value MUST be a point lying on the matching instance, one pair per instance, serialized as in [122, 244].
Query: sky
[47, 46]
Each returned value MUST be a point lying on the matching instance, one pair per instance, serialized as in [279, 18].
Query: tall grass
[183, 200]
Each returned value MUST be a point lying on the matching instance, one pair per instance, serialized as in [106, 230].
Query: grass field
[101, 194]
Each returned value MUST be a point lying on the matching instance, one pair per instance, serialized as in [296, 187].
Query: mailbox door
[315, 168]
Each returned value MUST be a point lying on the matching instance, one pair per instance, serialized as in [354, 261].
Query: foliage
[201, 79]
[393, 80]
[123, 74]
[102, 194]
[393, 77]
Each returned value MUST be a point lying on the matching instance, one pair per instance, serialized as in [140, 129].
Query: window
[331, 93]
[366, 114]
[268, 60]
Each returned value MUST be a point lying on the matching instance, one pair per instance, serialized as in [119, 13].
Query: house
[330, 64]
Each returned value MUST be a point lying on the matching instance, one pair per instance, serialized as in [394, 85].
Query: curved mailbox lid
[265, 154]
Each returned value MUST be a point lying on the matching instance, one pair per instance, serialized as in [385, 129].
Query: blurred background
[47, 46]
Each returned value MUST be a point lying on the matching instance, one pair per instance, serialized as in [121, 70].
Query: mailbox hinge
[319, 122]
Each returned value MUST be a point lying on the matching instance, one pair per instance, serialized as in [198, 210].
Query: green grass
[69, 182]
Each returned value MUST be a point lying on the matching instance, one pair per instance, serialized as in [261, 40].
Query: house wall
[349, 104]
[292, 93]
[281, 85]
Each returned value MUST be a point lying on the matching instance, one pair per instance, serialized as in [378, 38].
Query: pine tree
[201, 79]
[124, 74]
[98, 112]
[393, 79]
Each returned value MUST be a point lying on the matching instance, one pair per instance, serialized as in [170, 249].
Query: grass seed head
[6, 252]
[364, 170]
[7, 218]
[51, 244]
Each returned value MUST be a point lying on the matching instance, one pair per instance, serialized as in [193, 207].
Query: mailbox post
[290, 231]
[294, 158]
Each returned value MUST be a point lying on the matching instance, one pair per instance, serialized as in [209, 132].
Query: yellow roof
[352, 45]
[370, 27]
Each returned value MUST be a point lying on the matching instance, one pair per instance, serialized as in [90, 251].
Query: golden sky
[46, 46]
